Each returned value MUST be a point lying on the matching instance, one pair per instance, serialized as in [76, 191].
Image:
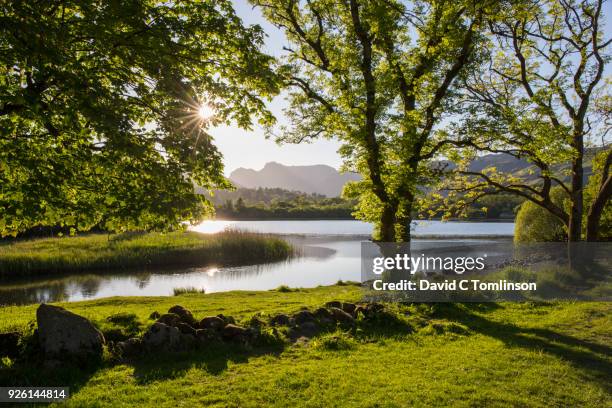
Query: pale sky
[251, 149]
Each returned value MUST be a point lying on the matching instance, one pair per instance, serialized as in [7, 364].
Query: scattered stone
[169, 319]
[234, 332]
[341, 316]
[184, 314]
[161, 336]
[226, 319]
[327, 321]
[309, 329]
[334, 303]
[130, 347]
[280, 320]
[186, 329]
[64, 334]
[322, 313]
[212, 322]
[9, 344]
[154, 316]
[303, 316]
[349, 307]
[206, 336]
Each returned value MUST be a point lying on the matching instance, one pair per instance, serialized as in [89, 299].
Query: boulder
[130, 347]
[322, 313]
[64, 334]
[349, 307]
[303, 316]
[169, 319]
[186, 329]
[334, 303]
[161, 336]
[212, 322]
[9, 344]
[226, 319]
[206, 336]
[154, 316]
[341, 316]
[280, 320]
[234, 332]
[184, 314]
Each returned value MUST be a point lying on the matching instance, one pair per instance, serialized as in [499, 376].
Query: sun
[206, 112]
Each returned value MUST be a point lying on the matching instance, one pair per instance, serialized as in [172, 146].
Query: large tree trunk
[576, 210]
[596, 209]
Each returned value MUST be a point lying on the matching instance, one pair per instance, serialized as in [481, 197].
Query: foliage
[535, 224]
[591, 192]
[99, 105]
[378, 76]
[130, 250]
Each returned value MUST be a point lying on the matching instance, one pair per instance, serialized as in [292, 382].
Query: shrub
[186, 290]
[536, 224]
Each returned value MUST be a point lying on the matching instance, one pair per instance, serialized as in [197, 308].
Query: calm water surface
[330, 251]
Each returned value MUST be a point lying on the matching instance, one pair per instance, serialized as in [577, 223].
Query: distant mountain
[319, 179]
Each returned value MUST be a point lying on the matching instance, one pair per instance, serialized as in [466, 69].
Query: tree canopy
[99, 106]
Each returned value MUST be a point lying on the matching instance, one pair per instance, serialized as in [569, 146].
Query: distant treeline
[278, 203]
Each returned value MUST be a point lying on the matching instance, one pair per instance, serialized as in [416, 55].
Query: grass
[111, 252]
[188, 289]
[487, 355]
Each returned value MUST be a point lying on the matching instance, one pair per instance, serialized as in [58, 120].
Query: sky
[250, 149]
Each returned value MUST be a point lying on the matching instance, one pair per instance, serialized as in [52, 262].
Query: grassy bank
[103, 252]
[510, 354]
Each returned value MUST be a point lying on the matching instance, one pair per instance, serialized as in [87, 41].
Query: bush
[536, 224]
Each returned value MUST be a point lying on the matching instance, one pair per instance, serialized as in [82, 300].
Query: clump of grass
[110, 252]
[188, 289]
[285, 289]
[336, 341]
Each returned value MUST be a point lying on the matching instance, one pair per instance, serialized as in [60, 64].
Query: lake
[330, 251]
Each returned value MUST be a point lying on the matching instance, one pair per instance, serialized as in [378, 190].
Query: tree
[377, 75]
[541, 96]
[100, 103]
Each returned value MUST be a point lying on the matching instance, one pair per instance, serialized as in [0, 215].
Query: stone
[349, 307]
[234, 332]
[186, 329]
[212, 322]
[169, 319]
[303, 316]
[184, 314]
[226, 319]
[64, 334]
[334, 303]
[308, 329]
[160, 336]
[206, 336]
[154, 316]
[322, 313]
[341, 316]
[130, 347]
[9, 344]
[280, 320]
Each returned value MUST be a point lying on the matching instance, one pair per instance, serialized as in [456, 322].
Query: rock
[9, 344]
[186, 329]
[169, 319]
[226, 319]
[154, 316]
[334, 303]
[212, 322]
[308, 329]
[280, 320]
[322, 313]
[373, 308]
[348, 307]
[64, 334]
[206, 336]
[327, 321]
[341, 316]
[161, 336]
[130, 347]
[184, 314]
[303, 316]
[233, 332]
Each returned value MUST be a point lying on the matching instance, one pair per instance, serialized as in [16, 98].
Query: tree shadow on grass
[592, 359]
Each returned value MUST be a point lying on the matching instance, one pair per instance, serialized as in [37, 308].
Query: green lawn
[104, 252]
[510, 354]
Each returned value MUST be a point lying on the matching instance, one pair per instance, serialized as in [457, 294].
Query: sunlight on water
[212, 226]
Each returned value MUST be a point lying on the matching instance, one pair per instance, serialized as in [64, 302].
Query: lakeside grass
[496, 354]
[111, 252]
